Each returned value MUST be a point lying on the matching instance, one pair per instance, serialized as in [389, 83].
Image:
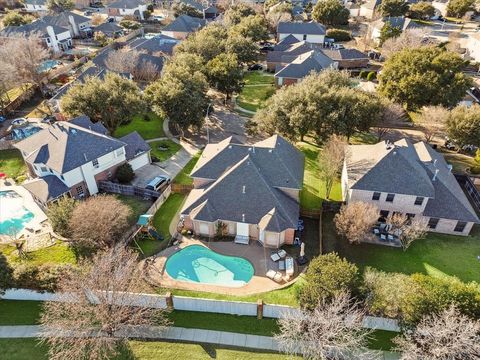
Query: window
[419, 200]
[50, 170]
[376, 196]
[61, 177]
[432, 223]
[43, 169]
[119, 152]
[384, 213]
[304, 37]
[460, 226]
[410, 216]
[79, 190]
[390, 197]
[95, 163]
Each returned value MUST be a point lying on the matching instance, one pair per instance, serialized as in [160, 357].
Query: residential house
[400, 22]
[440, 6]
[121, 8]
[207, 9]
[312, 32]
[39, 6]
[408, 178]
[70, 158]
[472, 45]
[159, 45]
[253, 190]
[53, 37]
[78, 25]
[109, 29]
[353, 8]
[347, 58]
[370, 8]
[183, 26]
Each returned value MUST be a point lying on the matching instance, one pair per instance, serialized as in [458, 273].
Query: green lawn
[259, 86]
[161, 221]
[183, 177]
[164, 149]
[137, 205]
[437, 255]
[151, 129]
[60, 253]
[313, 191]
[460, 162]
[11, 163]
[382, 340]
[13, 312]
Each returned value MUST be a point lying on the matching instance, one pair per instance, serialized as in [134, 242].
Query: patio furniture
[376, 231]
[383, 237]
[275, 257]
[282, 253]
[274, 275]
[390, 237]
[281, 265]
[289, 266]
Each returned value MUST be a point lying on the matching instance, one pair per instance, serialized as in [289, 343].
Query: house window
[61, 177]
[119, 152]
[95, 163]
[383, 215]
[50, 170]
[79, 190]
[43, 169]
[460, 226]
[419, 200]
[304, 37]
[390, 197]
[376, 196]
[433, 222]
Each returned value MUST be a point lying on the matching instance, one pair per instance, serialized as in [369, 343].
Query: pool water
[47, 65]
[199, 264]
[24, 132]
[13, 215]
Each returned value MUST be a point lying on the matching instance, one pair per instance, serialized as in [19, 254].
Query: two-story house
[253, 190]
[312, 32]
[38, 6]
[121, 8]
[411, 179]
[72, 157]
[78, 25]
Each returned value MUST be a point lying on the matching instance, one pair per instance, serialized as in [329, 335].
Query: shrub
[327, 276]
[43, 278]
[130, 24]
[6, 273]
[363, 74]
[372, 75]
[339, 34]
[150, 7]
[125, 173]
[60, 213]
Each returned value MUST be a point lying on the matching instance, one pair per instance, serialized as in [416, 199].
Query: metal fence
[470, 189]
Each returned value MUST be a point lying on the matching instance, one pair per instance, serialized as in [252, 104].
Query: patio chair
[383, 237]
[271, 274]
[282, 253]
[376, 231]
[274, 275]
[390, 237]
[281, 265]
[290, 266]
[275, 257]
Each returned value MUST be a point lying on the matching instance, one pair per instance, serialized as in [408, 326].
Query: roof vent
[249, 149]
[450, 167]
[435, 175]
[229, 146]
[243, 190]
[73, 131]
[388, 145]
[270, 150]
[85, 156]
[243, 217]
[435, 162]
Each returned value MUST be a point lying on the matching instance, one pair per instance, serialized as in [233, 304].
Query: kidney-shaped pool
[199, 264]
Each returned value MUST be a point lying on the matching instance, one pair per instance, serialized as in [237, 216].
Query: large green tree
[225, 74]
[208, 42]
[237, 13]
[463, 125]
[422, 10]
[113, 101]
[330, 12]
[181, 93]
[253, 27]
[58, 6]
[394, 7]
[14, 18]
[459, 8]
[244, 48]
[424, 76]
[389, 32]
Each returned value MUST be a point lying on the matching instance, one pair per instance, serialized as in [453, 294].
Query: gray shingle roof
[108, 28]
[310, 28]
[135, 145]
[285, 43]
[46, 188]
[304, 64]
[65, 146]
[61, 19]
[125, 4]
[36, 2]
[292, 50]
[38, 27]
[408, 169]
[185, 23]
[85, 122]
[344, 54]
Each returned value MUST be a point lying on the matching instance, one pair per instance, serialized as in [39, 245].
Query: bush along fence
[183, 303]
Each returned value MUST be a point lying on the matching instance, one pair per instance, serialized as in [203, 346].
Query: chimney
[53, 40]
[435, 175]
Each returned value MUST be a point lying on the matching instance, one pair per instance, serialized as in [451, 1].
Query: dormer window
[390, 197]
[119, 152]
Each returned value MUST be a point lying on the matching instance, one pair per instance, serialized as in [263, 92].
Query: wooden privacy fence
[111, 187]
[311, 213]
[182, 189]
[161, 199]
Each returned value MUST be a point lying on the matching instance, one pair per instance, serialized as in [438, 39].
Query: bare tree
[331, 161]
[97, 19]
[333, 330]
[432, 120]
[444, 336]
[146, 71]
[355, 221]
[410, 38]
[8, 80]
[276, 17]
[97, 312]
[99, 222]
[123, 60]
[407, 230]
[393, 113]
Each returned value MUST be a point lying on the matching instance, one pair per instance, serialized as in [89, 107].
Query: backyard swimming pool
[13, 215]
[199, 264]
[47, 65]
[24, 132]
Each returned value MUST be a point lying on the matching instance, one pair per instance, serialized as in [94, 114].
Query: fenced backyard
[115, 188]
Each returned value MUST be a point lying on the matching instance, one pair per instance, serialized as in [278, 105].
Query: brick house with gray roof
[408, 178]
[252, 189]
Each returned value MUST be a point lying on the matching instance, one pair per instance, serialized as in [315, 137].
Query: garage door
[139, 161]
[203, 228]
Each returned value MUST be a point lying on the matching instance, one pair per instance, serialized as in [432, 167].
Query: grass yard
[460, 162]
[183, 177]
[13, 312]
[382, 340]
[313, 191]
[164, 149]
[161, 221]
[259, 86]
[11, 163]
[137, 205]
[23, 349]
[437, 255]
[148, 129]
[60, 253]
[40, 111]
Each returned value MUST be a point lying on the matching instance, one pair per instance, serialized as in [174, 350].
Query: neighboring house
[121, 8]
[411, 179]
[36, 6]
[400, 22]
[159, 45]
[72, 157]
[207, 10]
[347, 58]
[183, 26]
[472, 44]
[109, 29]
[253, 190]
[353, 8]
[79, 26]
[301, 66]
[312, 32]
[440, 6]
[370, 8]
[53, 37]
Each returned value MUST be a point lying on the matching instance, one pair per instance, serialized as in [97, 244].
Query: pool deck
[38, 222]
[254, 252]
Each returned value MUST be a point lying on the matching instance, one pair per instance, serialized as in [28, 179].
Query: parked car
[111, 19]
[255, 67]
[157, 18]
[88, 13]
[159, 183]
